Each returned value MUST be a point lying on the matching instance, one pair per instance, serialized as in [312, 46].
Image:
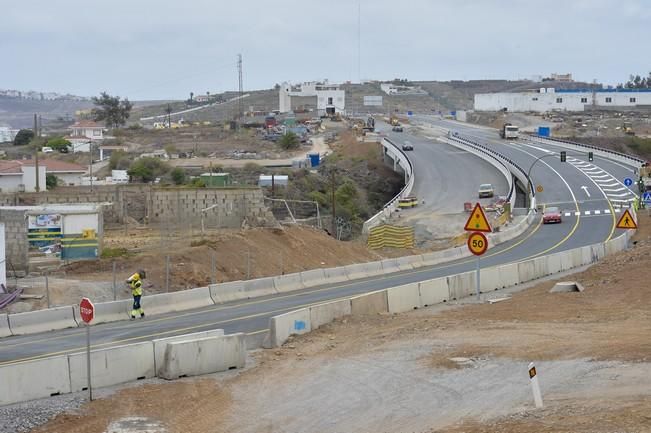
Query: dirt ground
[455, 368]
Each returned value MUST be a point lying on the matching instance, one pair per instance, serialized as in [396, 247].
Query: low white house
[84, 133]
[330, 98]
[20, 176]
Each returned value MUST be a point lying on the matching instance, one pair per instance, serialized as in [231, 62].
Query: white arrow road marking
[585, 188]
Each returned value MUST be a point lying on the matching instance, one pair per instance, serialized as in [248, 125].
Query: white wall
[9, 183]
[541, 102]
[29, 178]
[69, 178]
[3, 264]
[76, 223]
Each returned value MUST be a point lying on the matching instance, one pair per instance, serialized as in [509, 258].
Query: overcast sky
[158, 49]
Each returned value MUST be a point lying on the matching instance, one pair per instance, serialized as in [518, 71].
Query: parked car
[407, 146]
[47, 149]
[486, 190]
[551, 215]
[397, 129]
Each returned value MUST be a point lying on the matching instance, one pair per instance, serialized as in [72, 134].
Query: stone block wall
[146, 204]
[17, 246]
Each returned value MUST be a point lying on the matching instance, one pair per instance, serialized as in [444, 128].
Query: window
[329, 101]
[631, 100]
[608, 100]
[559, 100]
[584, 100]
[534, 99]
[97, 132]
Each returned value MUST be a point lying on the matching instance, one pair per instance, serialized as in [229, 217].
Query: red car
[551, 215]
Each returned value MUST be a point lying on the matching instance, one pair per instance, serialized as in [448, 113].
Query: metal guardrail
[588, 146]
[487, 150]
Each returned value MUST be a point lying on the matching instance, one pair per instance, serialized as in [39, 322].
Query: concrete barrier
[586, 255]
[112, 366]
[284, 325]
[554, 264]
[161, 343]
[598, 251]
[313, 277]
[4, 326]
[177, 301]
[364, 270]
[237, 290]
[403, 298]
[335, 275]
[462, 285]
[490, 279]
[369, 303]
[202, 356]
[50, 319]
[390, 266]
[227, 292]
[410, 262]
[526, 271]
[509, 274]
[34, 379]
[576, 257]
[106, 312]
[260, 287]
[325, 313]
[288, 283]
[433, 291]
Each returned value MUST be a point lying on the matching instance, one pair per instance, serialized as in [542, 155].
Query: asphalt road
[562, 184]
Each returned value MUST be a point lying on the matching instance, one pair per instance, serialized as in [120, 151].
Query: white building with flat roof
[330, 98]
[549, 99]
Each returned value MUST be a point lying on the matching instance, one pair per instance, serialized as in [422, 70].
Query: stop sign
[87, 310]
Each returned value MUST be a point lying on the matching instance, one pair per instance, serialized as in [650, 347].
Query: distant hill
[18, 112]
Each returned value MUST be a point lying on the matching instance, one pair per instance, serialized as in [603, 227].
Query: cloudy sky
[157, 49]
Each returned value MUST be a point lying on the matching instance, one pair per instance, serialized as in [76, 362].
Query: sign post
[87, 310]
[477, 242]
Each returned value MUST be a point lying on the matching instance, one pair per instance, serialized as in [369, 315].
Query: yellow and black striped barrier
[391, 236]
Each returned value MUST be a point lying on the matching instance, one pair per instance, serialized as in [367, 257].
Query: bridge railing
[392, 204]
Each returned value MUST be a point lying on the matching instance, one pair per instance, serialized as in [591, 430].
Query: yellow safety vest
[136, 288]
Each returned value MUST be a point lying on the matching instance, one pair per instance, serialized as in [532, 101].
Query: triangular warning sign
[477, 222]
[626, 221]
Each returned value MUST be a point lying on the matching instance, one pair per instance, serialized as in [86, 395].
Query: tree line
[636, 82]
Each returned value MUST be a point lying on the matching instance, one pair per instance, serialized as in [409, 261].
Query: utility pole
[169, 116]
[38, 183]
[90, 150]
[334, 205]
[241, 88]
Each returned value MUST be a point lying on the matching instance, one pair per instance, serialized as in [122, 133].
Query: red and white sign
[87, 310]
[477, 243]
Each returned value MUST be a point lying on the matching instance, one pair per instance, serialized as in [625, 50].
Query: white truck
[509, 131]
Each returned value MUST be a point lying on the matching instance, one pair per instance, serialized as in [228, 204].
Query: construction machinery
[509, 131]
[627, 127]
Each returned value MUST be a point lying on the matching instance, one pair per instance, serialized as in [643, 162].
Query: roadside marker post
[535, 386]
[477, 242]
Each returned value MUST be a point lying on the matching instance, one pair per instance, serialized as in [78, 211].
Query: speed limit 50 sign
[477, 243]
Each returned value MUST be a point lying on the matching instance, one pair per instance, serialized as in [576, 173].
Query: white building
[20, 176]
[330, 98]
[7, 134]
[83, 133]
[544, 100]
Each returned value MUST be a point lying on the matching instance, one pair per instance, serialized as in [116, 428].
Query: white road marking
[607, 211]
[585, 188]
[577, 213]
[614, 189]
[597, 212]
[603, 176]
[587, 212]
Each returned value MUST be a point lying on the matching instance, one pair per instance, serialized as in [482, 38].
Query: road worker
[135, 284]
